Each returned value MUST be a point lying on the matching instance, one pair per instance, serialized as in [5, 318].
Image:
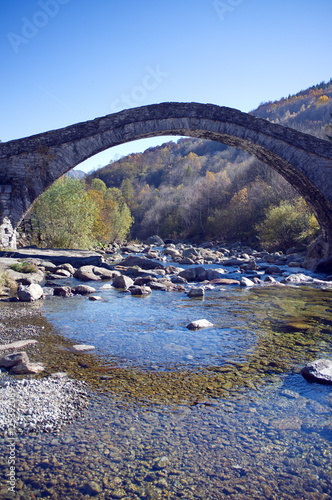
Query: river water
[216, 413]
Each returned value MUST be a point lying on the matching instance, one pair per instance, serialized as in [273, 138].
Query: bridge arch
[30, 165]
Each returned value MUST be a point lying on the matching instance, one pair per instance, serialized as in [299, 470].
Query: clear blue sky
[67, 61]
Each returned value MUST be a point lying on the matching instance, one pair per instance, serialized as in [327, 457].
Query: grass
[7, 282]
[24, 267]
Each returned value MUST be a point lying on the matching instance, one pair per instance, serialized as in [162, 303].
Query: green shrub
[287, 225]
[24, 267]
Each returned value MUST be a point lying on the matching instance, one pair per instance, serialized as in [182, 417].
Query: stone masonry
[30, 165]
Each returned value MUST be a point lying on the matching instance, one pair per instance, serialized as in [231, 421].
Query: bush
[287, 225]
[24, 267]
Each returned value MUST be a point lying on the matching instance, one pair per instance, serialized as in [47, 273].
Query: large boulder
[83, 289]
[194, 274]
[18, 364]
[63, 291]
[123, 282]
[86, 273]
[30, 293]
[25, 278]
[155, 240]
[318, 371]
[13, 359]
[105, 274]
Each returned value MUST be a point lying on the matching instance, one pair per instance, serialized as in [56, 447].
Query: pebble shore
[42, 405]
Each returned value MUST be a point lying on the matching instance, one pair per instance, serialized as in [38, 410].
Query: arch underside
[294, 175]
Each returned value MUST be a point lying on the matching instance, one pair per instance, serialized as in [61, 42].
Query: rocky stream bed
[87, 424]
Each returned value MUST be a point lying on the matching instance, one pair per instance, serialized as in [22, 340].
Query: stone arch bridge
[30, 165]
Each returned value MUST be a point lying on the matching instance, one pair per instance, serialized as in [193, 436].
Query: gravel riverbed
[28, 404]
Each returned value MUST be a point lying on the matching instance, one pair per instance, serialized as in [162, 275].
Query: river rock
[173, 252]
[200, 323]
[47, 265]
[155, 240]
[107, 286]
[83, 289]
[141, 262]
[95, 298]
[131, 248]
[225, 281]
[318, 371]
[27, 369]
[270, 279]
[162, 286]
[25, 278]
[63, 291]
[17, 344]
[30, 293]
[86, 273]
[246, 282]
[13, 359]
[196, 292]
[214, 274]
[140, 290]
[297, 278]
[161, 463]
[106, 274]
[123, 282]
[194, 274]
[68, 267]
[273, 270]
[64, 273]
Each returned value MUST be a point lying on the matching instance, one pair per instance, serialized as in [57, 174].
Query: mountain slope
[186, 188]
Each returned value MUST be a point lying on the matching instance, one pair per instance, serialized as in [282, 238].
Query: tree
[64, 215]
[287, 225]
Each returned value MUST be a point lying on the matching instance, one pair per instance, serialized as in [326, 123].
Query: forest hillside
[199, 189]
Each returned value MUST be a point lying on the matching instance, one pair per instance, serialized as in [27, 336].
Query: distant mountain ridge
[307, 111]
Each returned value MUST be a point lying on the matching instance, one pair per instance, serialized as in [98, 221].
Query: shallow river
[211, 414]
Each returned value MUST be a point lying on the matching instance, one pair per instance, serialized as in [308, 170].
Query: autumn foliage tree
[72, 214]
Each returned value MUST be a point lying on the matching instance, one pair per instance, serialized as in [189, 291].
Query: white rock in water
[81, 348]
[200, 323]
[318, 371]
[30, 293]
[246, 282]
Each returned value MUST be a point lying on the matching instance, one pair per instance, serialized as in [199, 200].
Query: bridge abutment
[8, 235]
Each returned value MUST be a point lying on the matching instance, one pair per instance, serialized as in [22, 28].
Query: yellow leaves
[240, 198]
[323, 99]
